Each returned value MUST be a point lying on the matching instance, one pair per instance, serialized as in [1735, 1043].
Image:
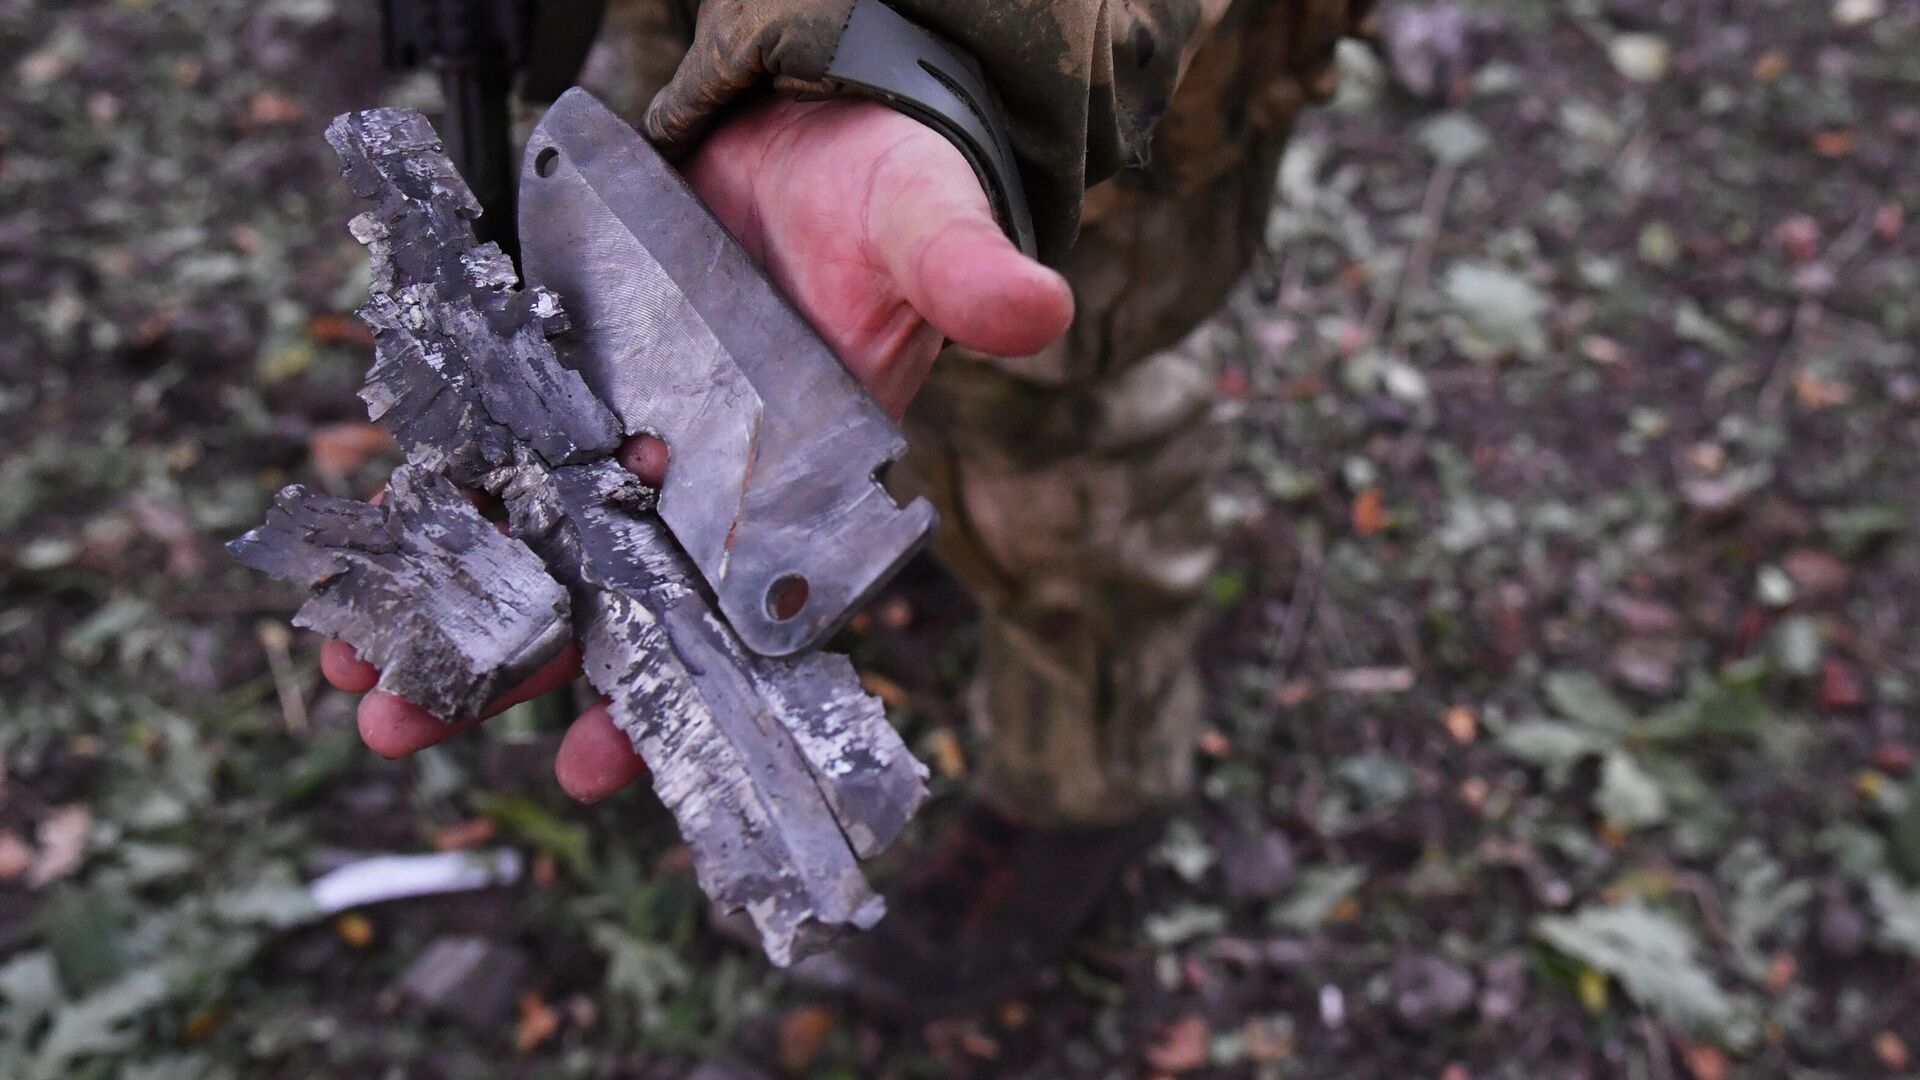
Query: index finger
[394, 727]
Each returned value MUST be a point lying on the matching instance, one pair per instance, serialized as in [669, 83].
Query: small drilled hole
[787, 596]
[545, 161]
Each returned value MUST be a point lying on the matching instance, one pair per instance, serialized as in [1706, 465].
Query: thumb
[930, 226]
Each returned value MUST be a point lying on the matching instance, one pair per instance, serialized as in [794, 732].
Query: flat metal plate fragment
[775, 449]
[452, 613]
[780, 772]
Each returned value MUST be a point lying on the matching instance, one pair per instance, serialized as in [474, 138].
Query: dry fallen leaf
[16, 855]
[1705, 1062]
[1835, 143]
[267, 108]
[203, 1023]
[1816, 574]
[1267, 1039]
[63, 844]
[1368, 515]
[1891, 1051]
[463, 835]
[1892, 758]
[1461, 723]
[1890, 221]
[1781, 972]
[1591, 987]
[949, 760]
[1474, 791]
[537, 1023]
[1374, 680]
[1604, 351]
[895, 695]
[1800, 236]
[333, 328]
[338, 449]
[1815, 391]
[895, 613]
[169, 523]
[1181, 1047]
[355, 929]
[1840, 686]
[803, 1031]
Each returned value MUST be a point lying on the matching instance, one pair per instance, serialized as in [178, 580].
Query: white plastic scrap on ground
[393, 877]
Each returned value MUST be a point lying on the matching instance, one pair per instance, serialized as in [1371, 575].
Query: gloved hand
[877, 230]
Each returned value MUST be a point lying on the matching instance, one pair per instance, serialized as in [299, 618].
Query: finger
[930, 225]
[596, 758]
[645, 457]
[394, 727]
[344, 668]
[905, 354]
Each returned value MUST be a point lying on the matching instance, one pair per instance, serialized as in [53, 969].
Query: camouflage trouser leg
[1075, 485]
[1090, 563]
[1074, 490]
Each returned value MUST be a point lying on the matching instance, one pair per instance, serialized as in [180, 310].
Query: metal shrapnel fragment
[781, 773]
[423, 587]
[773, 490]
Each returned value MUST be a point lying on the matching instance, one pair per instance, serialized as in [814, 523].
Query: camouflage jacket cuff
[1080, 81]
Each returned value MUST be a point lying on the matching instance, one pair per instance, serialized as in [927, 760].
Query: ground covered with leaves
[1567, 678]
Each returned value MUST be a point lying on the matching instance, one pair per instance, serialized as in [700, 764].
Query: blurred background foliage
[1565, 679]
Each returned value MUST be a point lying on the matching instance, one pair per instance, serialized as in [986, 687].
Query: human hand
[877, 230]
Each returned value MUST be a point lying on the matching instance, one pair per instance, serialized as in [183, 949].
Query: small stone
[472, 980]
[1841, 929]
[1429, 991]
[1257, 868]
[1641, 58]
[1774, 587]
[1503, 986]
[1858, 12]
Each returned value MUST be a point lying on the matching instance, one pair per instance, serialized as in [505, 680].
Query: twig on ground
[1414, 272]
[277, 641]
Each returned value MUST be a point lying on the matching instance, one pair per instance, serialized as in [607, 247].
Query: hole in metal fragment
[786, 597]
[545, 161]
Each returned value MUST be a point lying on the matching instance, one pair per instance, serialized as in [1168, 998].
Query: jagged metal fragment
[422, 586]
[777, 816]
[781, 773]
[463, 374]
[773, 489]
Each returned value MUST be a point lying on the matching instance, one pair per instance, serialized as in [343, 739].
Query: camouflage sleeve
[1082, 81]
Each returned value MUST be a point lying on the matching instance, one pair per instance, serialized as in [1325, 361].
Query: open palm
[874, 225]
